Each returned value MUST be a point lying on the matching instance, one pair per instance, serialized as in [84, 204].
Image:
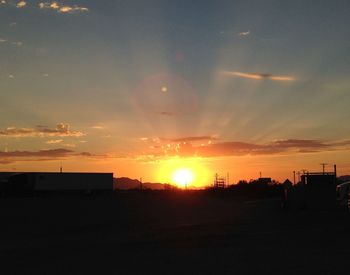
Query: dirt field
[169, 233]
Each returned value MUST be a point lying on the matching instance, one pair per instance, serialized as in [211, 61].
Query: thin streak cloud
[17, 43]
[244, 33]
[164, 113]
[258, 76]
[97, 127]
[189, 139]
[54, 141]
[7, 157]
[53, 153]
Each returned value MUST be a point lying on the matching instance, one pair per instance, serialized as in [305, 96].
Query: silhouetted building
[264, 181]
[50, 182]
[4, 176]
[317, 190]
[318, 179]
[4, 181]
[287, 183]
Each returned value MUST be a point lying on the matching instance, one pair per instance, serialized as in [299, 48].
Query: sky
[144, 88]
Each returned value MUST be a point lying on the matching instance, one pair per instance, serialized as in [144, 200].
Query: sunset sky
[144, 88]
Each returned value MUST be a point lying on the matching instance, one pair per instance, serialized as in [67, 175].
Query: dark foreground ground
[182, 233]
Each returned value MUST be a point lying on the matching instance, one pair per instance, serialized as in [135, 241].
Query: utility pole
[294, 177]
[323, 167]
[140, 183]
[260, 174]
[304, 171]
[298, 176]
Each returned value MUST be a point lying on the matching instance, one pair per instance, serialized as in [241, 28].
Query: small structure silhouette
[219, 182]
[316, 190]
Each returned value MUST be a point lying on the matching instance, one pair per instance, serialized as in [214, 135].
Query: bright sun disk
[183, 177]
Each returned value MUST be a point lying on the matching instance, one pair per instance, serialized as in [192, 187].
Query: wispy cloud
[9, 157]
[62, 8]
[41, 153]
[258, 76]
[21, 4]
[164, 113]
[17, 43]
[47, 5]
[300, 143]
[61, 130]
[97, 127]
[14, 43]
[189, 139]
[244, 33]
[54, 141]
[69, 145]
[53, 5]
[73, 9]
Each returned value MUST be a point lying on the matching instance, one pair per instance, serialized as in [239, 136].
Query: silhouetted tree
[242, 182]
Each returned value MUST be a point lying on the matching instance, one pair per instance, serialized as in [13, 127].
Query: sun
[183, 177]
[184, 172]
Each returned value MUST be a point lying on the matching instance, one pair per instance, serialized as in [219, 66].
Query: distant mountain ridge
[125, 183]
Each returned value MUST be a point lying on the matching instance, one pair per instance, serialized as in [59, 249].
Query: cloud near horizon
[61, 130]
[258, 76]
[189, 147]
[8, 157]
